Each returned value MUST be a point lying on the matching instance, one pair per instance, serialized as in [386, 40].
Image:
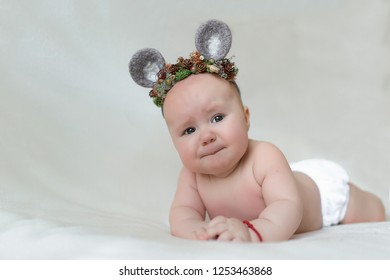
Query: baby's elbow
[174, 232]
[296, 214]
[175, 229]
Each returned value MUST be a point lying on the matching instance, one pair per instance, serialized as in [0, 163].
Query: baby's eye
[217, 118]
[189, 131]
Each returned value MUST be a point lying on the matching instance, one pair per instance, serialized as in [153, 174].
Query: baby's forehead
[205, 83]
[200, 88]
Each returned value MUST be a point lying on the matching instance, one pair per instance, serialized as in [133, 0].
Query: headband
[213, 40]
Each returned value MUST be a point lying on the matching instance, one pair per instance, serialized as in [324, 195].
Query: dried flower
[212, 68]
[182, 74]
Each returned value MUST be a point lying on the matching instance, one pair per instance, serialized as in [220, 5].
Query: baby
[232, 188]
[235, 179]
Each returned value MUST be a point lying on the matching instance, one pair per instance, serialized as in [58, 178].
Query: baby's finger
[238, 239]
[217, 229]
[217, 220]
[202, 235]
[225, 236]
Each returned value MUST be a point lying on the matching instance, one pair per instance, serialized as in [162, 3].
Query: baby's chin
[217, 170]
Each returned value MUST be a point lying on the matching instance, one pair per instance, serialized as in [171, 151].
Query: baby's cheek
[188, 158]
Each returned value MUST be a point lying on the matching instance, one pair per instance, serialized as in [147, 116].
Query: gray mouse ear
[144, 66]
[213, 39]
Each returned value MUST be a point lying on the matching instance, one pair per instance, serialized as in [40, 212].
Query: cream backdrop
[81, 145]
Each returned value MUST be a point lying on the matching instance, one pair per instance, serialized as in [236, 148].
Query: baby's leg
[363, 207]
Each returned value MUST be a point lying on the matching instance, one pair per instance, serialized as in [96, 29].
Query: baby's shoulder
[263, 148]
[265, 154]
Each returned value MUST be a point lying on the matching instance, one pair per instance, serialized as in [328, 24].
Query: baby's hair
[237, 87]
[234, 83]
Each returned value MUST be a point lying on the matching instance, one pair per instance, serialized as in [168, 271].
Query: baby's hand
[228, 229]
[201, 234]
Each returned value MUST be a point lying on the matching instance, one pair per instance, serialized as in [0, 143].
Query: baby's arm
[187, 214]
[284, 207]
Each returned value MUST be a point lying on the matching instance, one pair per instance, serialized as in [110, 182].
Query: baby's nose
[208, 138]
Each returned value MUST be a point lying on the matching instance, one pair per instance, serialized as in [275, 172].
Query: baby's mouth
[211, 152]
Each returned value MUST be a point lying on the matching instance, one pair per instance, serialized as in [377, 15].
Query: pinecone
[231, 76]
[173, 68]
[195, 56]
[228, 66]
[153, 93]
[162, 74]
[201, 67]
[186, 63]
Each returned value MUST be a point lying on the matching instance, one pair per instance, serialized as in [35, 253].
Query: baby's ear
[247, 116]
[144, 66]
[213, 39]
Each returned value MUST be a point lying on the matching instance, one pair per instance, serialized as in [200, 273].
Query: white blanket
[87, 168]
[29, 238]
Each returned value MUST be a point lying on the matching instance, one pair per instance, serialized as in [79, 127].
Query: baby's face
[208, 124]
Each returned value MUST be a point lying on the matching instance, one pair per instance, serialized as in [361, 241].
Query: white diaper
[332, 182]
